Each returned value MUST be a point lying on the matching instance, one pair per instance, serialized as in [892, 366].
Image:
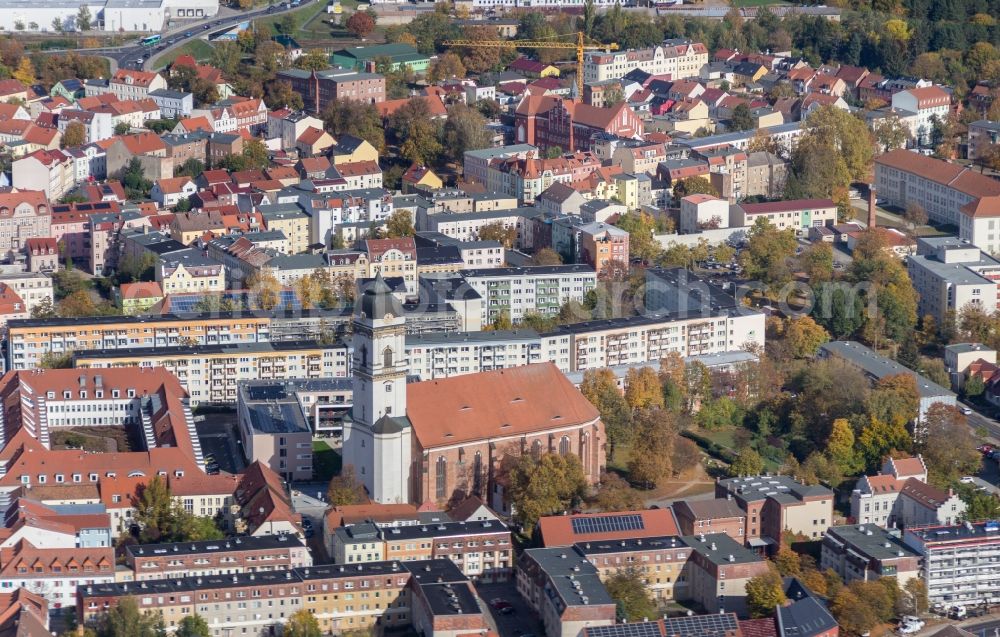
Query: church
[433, 441]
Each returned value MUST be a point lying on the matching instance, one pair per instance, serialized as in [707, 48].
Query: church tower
[377, 437]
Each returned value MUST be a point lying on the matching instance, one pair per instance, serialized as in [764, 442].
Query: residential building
[32, 287]
[923, 107]
[173, 104]
[983, 135]
[718, 571]
[565, 590]
[604, 247]
[950, 275]
[476, 162]
[776, 505]
[190, 271]
[453, 354]
[318, 88]
[658, 561]
[538, 289]
[56, 573]
[592, 528]
[42, 254]
[875, 367]
[131, 85]
[949, 193]
[211, 373]
[674, 59]
[867, 552]
[52, 172]
[699, 212]
[959, 565]
[482, 550]
[246, 554]
[721, 515]
[799, 214]
[274, 430]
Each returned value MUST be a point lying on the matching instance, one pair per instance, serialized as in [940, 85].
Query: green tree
[74, 135]
[498, 231]
[255, 153]
[817, 262]
[84, 18]
[640, 227]
[122, 128]
[545, 485]
[650, 460]
[302, 623]
[768, 252]
[44, 309]
[765, 593]
[193, 626]
[974, 386]
[415, 132]
[741, 119]
[599, 386]
[351, 117]
[835, 148]
[465, 130]
[133, 178]
[632, 599]
[190, 168]
[346, 489]
[125, 620]
[153, 507]
[399, 224]
[746, 463]
[979, 505]
[692, 186]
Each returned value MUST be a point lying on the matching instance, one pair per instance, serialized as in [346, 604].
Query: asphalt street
[130, 56]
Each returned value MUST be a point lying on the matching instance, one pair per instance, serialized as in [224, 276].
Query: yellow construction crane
[541, 44]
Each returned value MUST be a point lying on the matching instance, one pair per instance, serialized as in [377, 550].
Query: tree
[133, 178]
[153, 508]
[632, 600]
[265, 290]
[741, 119]
[947, 445]
[895, 399]
[655, 431]
[817, 262]
[25, 73]
[191, 167]
[465, 130]
[640, 227]
[345, 489]
[804, 336]
[599, 386]
[447, 66]
[746, 463]
[547, 256]
[787, 562]
[643, 389]
[44, 309]
[399, 224]
[915, 215]
[125, 620]
[313, 60]
[83, 18]
[974, 386]
[890, 133]
[615, 494]
[767, 254]
[764, 593]
[356, 118]
[255, 153]
[979, 505]
[74, 135]
[57, 25]
[840, 447]
[692, 186]
[835, 148]
[279, 93]
[302, 623]
[415, 132]
[361, 24]
[915, 596]
[879, 439]
[498, 231]
[77, 304]
[854, 615]
[544, 485]
[122, 128]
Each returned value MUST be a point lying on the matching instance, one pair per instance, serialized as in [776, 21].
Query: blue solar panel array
[608, 523]
[188, 303]
[717, 625]
[639, 629]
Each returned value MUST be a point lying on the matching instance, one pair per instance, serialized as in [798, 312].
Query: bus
[151, 40]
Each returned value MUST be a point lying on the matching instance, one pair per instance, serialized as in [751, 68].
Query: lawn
[198, 48]
[326, 461]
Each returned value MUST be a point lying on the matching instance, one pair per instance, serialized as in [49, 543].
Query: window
[387, 357]
[441, 478]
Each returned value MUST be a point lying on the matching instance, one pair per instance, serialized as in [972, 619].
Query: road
[129, 56]
[988, 628]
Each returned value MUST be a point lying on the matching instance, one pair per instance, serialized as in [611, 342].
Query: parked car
[967, 480]
[958, 612]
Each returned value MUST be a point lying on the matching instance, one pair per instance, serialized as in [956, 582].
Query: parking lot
[521, 621]
[219, 440]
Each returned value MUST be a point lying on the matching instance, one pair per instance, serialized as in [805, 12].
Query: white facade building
[536, 289]
[923, 106]
[675, 59]
[949, 274]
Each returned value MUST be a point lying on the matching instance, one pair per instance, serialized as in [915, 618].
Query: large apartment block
[960, 561]
[450, 354]
[246, 554]
[319, 88]
[866, 552]
[950, 274]
[210, 373]
[950, 193]
[533, 289]
[675, 59]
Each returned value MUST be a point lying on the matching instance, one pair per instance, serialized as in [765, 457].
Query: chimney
[872, 222]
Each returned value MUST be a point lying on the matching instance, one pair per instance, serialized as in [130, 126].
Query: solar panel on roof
[638, 629]
[701, 625]
[608, 523]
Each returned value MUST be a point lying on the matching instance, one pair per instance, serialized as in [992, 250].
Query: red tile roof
[557, 530]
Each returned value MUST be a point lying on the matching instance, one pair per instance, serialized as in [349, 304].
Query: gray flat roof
[879, 366]
[871, 541]
[955, 273]
[572, 575]
[754, 488]
[491, 153]
[458, 338]
[721, 549]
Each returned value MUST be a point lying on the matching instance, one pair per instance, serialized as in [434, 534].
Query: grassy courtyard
[326, 461]
[198, 48]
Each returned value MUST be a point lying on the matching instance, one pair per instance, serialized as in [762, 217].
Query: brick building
[319, 88]
[548, 121]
